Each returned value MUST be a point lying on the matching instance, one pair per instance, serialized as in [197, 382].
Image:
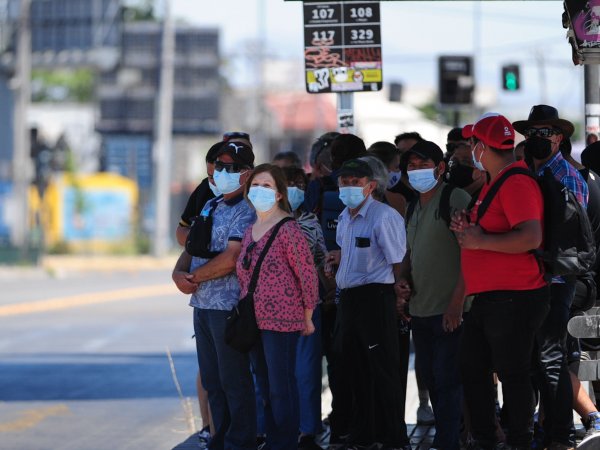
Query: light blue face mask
[262, 198]
[393, 179]
[352, 196]
[295, 197]
[478, 163]
[214, 189]
[422, 180]
[226, 182]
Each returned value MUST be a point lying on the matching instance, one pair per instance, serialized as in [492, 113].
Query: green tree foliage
[142, 10]
[63, 85]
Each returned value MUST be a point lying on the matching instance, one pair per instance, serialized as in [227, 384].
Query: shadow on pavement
[42, 377]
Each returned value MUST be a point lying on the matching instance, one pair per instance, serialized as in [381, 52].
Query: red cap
[467, 131]
[496, 131]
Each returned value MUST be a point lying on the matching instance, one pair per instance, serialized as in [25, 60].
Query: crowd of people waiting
[373, 245]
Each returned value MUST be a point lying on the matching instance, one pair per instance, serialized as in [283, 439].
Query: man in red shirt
[510, 294]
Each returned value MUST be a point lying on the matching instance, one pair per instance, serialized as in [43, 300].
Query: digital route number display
[342, 46]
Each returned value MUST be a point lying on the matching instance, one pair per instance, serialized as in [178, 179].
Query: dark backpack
[569, 246]
[444, 211]
[329, 210]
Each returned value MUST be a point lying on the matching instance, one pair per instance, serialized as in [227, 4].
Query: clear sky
[414, 33]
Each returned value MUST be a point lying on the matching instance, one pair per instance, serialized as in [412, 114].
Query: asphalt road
[84, 361]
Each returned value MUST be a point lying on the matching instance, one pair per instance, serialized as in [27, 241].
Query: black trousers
[499, 335]
[370, 363]
[552, 375]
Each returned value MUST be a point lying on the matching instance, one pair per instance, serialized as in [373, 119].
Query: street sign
[342, 46]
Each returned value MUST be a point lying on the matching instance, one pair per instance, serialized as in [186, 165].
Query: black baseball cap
[239, 152]
[424, 150]
[355, 168]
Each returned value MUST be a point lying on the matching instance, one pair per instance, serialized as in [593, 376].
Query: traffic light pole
[162, 153]
[21, 163]
[592, 99]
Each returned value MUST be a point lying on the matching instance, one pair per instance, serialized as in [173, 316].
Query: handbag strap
[264, 252]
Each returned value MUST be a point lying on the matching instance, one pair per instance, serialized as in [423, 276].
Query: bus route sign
[342, 46]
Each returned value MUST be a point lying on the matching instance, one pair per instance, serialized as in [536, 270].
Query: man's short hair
[292, 157]
[385, 151]
[346, 147]
[409, 135]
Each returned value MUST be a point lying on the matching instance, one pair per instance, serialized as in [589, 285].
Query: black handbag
[241, 329]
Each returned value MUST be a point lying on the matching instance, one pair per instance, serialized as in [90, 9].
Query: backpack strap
[410, 209]
[489, 196]
[443, 207]
[263, 254]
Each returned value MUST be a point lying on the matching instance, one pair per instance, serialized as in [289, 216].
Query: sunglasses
[229, 167]
[545, 132]
[247, 260]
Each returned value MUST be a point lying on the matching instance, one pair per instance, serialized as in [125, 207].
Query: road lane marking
[32, 417]
[92, 298]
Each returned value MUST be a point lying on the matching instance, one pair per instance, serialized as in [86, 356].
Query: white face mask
[422, 180]
[478, 164]
[393, 179]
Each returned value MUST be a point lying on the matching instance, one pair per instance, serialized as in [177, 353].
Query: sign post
[342, 52]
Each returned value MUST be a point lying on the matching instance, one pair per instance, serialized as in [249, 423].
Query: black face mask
[537, 147]
[460, 175]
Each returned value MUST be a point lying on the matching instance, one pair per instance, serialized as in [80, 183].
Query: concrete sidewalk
[61, 265]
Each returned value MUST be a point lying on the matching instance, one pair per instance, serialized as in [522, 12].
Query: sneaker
[204, 435]
[425, 415]
[261, 442]
[308, 442]
[591, 440]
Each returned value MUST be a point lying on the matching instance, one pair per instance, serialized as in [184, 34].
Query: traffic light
[510, 77]
[456, 81]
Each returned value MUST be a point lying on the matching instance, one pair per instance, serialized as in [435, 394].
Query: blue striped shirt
[569, 176]
[370, 242]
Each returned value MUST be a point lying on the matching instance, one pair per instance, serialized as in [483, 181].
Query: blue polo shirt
[370, 242]
[231, 218]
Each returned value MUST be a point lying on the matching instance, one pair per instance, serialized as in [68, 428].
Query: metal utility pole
[591, 74]
[21, 163]
[345, 112]
[163, 138]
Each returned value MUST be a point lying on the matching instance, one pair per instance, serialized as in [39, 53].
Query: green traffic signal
[510, 81]
[510, 77]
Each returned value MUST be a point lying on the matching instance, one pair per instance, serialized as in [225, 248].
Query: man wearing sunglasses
[225, 372]
[544, 131]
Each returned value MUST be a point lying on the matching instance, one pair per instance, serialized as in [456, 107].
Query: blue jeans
[227, 379]
[274, 363]
[552, 374]
[437, 351]
[308, 376]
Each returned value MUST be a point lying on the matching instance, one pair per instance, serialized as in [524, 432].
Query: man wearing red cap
[510, 294]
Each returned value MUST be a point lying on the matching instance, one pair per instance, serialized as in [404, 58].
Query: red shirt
[518, 200]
